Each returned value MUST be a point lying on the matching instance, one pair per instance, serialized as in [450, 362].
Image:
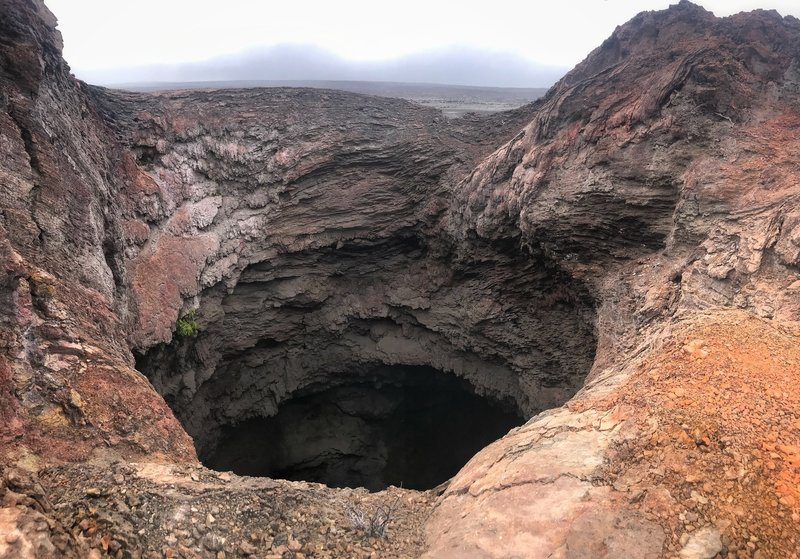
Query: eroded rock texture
[660, 172]
[66, 370]
[303, 229]
[332, 258]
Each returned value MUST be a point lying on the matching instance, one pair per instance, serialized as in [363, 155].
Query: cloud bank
[305, 62]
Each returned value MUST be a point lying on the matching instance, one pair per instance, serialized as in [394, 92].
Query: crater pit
[413, 427]
[370, 363]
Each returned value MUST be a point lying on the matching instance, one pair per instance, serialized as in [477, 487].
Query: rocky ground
[162, 510]
[720, 452]
[710, 473]
[452, 100]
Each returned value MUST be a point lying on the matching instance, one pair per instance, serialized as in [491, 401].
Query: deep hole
[413, 427]
[347, 365]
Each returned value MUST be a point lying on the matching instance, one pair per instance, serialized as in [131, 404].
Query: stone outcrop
[68, 381]
[269, 256]
[660, 173]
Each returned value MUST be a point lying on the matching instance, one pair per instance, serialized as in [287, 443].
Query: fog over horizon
[293, 62]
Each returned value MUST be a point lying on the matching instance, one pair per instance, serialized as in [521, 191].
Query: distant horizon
[295, 62]
[509, 44]
[280, 82]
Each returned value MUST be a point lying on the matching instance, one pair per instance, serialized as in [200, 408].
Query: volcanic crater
[568, 330]
[362, 363]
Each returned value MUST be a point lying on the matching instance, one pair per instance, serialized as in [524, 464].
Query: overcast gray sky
[103, 35]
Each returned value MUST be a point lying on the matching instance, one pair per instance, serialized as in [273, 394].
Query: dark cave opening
[373, 362]
[413, 427]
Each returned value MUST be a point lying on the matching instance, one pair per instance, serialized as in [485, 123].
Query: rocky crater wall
[307, 259]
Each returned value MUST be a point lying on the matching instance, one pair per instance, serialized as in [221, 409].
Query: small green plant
[187, 324]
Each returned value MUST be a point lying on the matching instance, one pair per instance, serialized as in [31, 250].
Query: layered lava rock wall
[66, 372]
[310, 256]
[355, 290]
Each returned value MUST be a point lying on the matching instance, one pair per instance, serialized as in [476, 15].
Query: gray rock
[213, 542]
[704, 543]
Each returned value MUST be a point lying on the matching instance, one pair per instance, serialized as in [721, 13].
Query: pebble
[213, 542]
[704, 543]
[294, 545]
